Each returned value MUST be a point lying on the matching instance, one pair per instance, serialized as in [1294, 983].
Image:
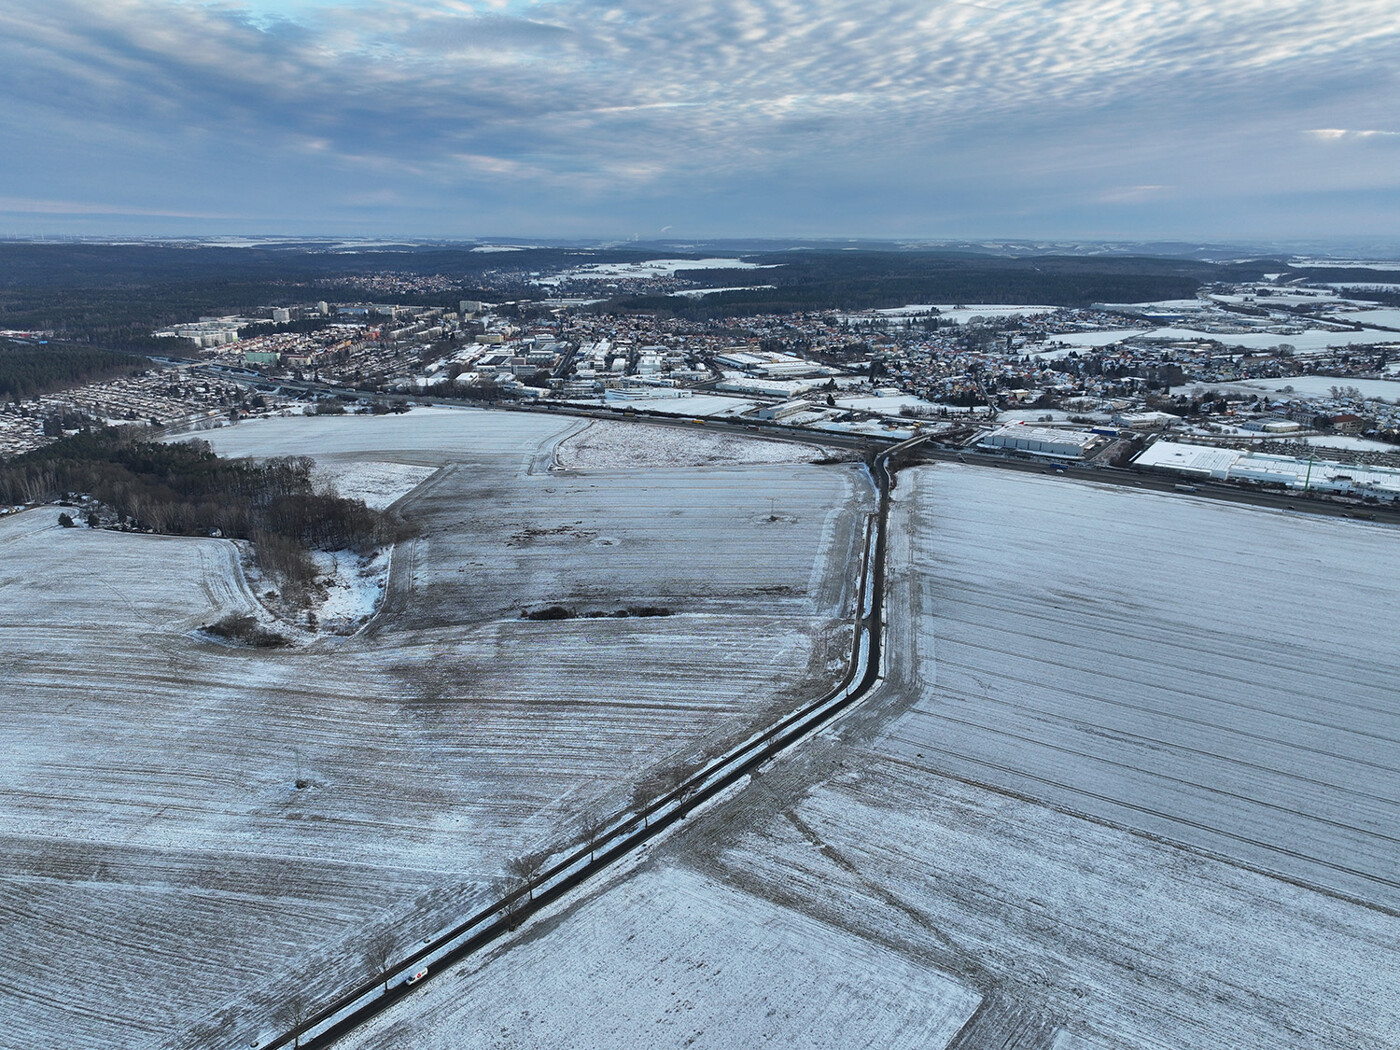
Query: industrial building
[1290, 472]
[787, 408]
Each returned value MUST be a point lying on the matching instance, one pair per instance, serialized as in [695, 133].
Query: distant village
[1262, 383]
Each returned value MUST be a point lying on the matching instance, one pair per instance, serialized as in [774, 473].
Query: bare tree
[526, 868]
[657, 782]
[513, 907]
[379, 953]
[292, 1013]
[594, 824]
[674, 776]
[644, 791]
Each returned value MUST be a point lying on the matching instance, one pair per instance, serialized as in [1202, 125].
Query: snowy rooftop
[1020, 431]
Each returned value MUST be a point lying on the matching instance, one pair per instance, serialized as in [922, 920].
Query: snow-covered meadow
[1311, 386]
[650, 268]
[957, 313]
[164, 872]
[707, 406]
[1311, 341]
[887, 404]
[423, 437]
[379, 484]
[1059, 344]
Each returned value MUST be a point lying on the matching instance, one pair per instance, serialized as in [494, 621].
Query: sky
[1255, 120]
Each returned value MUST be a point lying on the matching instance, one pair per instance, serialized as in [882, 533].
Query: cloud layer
[885, 117]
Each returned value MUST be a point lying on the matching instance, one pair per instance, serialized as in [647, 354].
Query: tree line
[814, 281]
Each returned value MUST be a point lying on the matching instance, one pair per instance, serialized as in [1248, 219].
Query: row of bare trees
[378, 954]
[523, 872]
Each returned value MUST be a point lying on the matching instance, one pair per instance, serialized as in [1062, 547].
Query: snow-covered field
[1036, 415]
[650, 268]
[704, 405]
[1161, 306]
[378, 484]
[1387, 318]
[697, 405]
[962, 314]
[1310, 341]
[1071, 930]
[164, 875]
[678, 960]
[606, 445]
[1303, 386]
[1132, 780]
[1356, 444]
[875, 427]
[886, 405]
[1218, 676]
[697, 293]
[1093, 339]
[423, 437]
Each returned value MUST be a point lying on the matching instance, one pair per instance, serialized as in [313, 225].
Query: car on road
[414, 978]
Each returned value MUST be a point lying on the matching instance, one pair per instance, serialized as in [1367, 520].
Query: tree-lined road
[628, 832]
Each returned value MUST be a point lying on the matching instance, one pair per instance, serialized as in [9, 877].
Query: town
[1276, 382]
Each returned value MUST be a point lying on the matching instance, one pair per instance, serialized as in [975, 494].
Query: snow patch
[352, 585]
[379, 484]
[672, 958]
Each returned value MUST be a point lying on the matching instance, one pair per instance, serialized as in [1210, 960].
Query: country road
[629, 832]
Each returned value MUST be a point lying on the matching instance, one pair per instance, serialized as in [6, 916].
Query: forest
[184, 489]
[28, 371]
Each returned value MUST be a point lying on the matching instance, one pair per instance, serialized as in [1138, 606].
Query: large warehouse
[1043, 441]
